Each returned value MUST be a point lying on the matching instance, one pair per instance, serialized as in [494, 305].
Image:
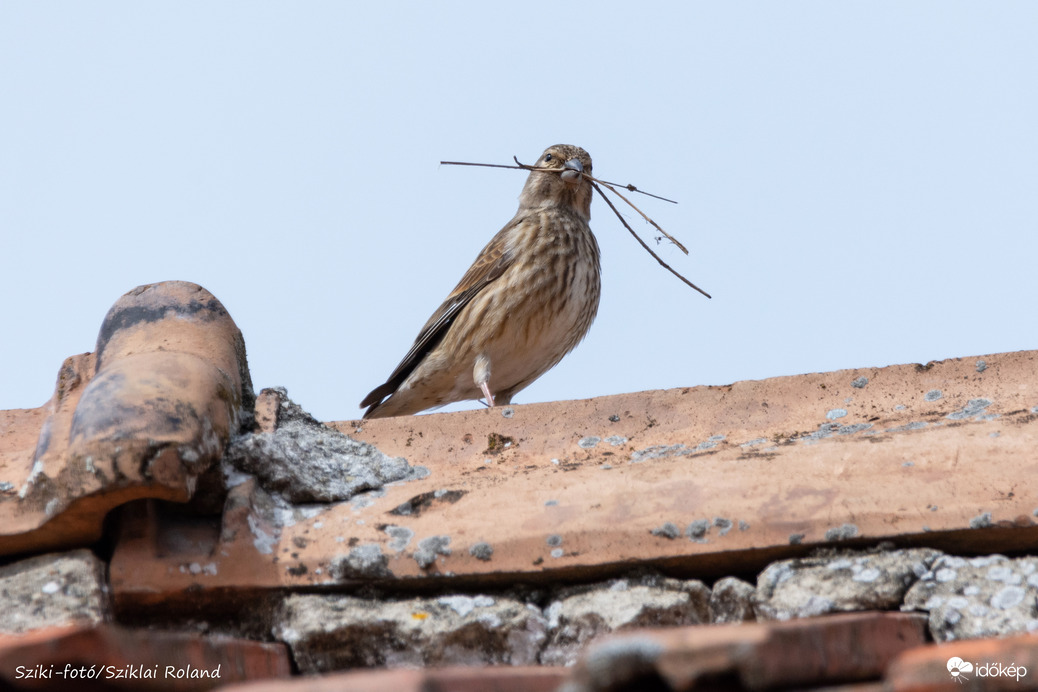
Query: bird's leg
[487, 394]
[481, 376]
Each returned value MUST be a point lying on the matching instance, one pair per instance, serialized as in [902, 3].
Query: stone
[306, 461]
[842, 582]
[731, 600]
[968, 598]
[591, 611]
[53, 590]
[332, 632]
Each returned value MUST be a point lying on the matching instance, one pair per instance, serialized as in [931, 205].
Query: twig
[632, 188]
[487, 165]
[612, 188]
[631, 205]
[642, 242]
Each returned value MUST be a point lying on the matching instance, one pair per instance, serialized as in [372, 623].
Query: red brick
[122, 649]
[491, 679]
[925, 669]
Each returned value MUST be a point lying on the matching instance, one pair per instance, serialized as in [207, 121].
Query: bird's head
[559, 180]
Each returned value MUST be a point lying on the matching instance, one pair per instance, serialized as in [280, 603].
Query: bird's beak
[573, 171]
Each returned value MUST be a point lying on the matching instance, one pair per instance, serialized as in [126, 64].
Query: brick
[141, 657]
[824, 650]
[143, 416]
[925, 669]
[705, 481]
[453, 679]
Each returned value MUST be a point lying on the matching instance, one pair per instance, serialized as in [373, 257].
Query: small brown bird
[527, 301]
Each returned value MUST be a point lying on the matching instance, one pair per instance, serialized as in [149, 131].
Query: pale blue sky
[858, 181]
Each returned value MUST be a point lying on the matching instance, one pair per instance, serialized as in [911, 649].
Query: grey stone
[333, 632]
[980, 597]
[731, 600]
[54, 589]
[306, 461]
[576, 618]
[847, 581]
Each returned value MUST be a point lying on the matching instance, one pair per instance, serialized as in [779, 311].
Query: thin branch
[612, 188]
[631, 205]
[632, 188]
[642, 242]
[487, 165]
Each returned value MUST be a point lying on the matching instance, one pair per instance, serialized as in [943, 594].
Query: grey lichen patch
[743, 525]
[557, 553]
[933, 395]
[991, 596]
[697, 530]
[401, 537]
[429, 548]
[972, 409]
[853, 428]
[835, 413]
[914, 425]
[841, 533]
[981, 366]
[365, 561]
[982, 521]
[796, 538]
[829, 429]
[507, 412]
[723, 525]
[589, 442]
[481, 551]
[859, 382]
[554, 540]
[658, 452]
[616, 440]
[668, 530]
[754, 443]
[710, 443]
[305, 461]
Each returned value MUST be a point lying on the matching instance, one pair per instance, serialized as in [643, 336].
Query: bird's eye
[547, 158]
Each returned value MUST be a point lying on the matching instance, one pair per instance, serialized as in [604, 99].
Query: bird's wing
[489, 265]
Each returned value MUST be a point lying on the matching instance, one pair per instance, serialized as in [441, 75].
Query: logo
[958, 669]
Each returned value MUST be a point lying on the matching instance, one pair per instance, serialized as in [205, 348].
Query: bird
[528, 300]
